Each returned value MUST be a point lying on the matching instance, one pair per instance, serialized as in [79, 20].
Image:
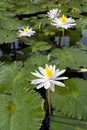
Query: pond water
[84, 37]
[19, 56]
[17, 47]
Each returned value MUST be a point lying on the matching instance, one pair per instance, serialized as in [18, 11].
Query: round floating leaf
[82, 23]
[9, 75]
[15, 75]
[69, 57]
[7, 36]
[64, 123]
[84, 3]
[31, 65]
[71, 100]
[21, 110]
[41, 46]
[37, 60]
[81, 46]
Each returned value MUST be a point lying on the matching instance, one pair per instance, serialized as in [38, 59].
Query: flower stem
[49, 100]
[63, 36]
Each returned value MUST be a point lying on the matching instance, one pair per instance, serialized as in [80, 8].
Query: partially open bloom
[63, 22]
[48, 77]
[53, 13]
[26, 32]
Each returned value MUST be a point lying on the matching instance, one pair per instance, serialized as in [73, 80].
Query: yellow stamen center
[63, 19]
[48, 72]
[26, 30]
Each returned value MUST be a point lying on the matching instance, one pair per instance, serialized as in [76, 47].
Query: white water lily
[48, 77]
[26, 32]
[63, 22]
[53, 13]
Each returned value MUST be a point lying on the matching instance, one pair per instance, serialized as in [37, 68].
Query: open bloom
[63, 22]
[48, 77]
[53, 13]
[26, 32]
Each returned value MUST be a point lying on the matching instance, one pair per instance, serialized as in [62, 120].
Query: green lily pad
[81, 46]
[62, 123]
[70, 100]
[69, 57]
[15, 75]
[8, 75]
[8, 36]
[81, 23]
[41, 46]
[20, 110]
[37, 60]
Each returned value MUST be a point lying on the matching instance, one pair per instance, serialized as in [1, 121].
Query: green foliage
[81, 46]
[33, 13]
[9, 75]
[70, 106]
[37, 60]
[62, 123]
[20, 104]
[82, 23]
[71, 100]
[69, 57]
[40, 46]
[20, 110]
[15, 75]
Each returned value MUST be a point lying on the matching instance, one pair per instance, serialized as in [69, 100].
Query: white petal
[54, 67]
[51, 67]
[41, 70]
[40, 86]
[37, 81]
[61, 78]
[56, 22]
[20, 31]
[47, 85]
[69, 23]
[52, 87]
[28, 34]
[31, 32]
[58, 83]
[60, 72]
[53, 13]
[37, 74]
[55, 73]
[47, 66]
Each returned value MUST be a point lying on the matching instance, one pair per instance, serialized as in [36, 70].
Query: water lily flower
[53, 13]
[48, 77]
[63, 22]
[26, 32]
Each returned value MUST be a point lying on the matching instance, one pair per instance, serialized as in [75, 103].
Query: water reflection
[84, 37]
[15, 49]
[1, 53]
[58, 41]
[68, 39]
[85, 75]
